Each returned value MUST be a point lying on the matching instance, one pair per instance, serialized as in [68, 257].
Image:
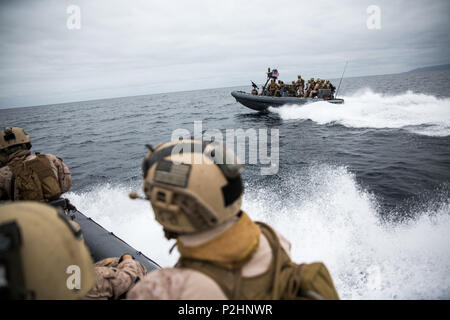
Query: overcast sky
[131, 47]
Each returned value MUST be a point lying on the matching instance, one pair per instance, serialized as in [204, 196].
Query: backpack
[283, 280]
[34, 179]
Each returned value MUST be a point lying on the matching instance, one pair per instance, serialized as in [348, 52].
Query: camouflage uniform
[273, 88]
[114, 279]
[281, 89]
[317, 86]
[300, 86]
[188, 284]
[293, 89]
[230, 256]
[60, 170]
[309, 88]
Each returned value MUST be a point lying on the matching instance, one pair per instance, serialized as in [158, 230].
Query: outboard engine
[325, 94]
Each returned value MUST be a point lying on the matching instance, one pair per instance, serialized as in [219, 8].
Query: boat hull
[261, 103]
[104, 244]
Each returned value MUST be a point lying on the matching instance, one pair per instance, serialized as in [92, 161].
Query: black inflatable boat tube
[104, 244]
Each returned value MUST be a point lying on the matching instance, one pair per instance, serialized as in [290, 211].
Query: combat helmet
[192, 185]
[42, 255]
[13, 136]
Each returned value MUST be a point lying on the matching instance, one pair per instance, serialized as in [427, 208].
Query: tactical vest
[34, 179]
[284, 279]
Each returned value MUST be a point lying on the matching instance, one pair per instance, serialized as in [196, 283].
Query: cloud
[141, 47]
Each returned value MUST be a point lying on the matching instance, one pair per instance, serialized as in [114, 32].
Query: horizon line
[201, 89]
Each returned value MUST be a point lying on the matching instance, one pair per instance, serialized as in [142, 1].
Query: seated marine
[44, 245]
[309, 88]
[24, 176]
[115, 277]
[39, 245]
[293, 89]
[224, 254]
[317, 86]
[329, 85]
[282, 90]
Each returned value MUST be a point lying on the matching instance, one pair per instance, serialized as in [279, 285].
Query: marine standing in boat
[300, 82]
[273, 87]
[300, 86]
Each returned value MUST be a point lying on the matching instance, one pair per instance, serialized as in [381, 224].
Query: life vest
[284, 279]
[273, 86]
[34, 179]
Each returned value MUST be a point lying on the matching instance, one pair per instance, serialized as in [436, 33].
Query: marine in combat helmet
[300, 82]
[224, 254]
[26, 176]
[273, 87]
[39, 252]
[43, 256]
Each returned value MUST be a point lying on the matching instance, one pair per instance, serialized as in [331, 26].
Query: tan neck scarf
[231, 249]
[20, 154]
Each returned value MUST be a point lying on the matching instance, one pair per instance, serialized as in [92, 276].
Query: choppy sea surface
[363, 186]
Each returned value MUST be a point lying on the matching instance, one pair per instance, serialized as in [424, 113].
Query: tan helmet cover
[50, 251]
[18, 136]
[189, 191]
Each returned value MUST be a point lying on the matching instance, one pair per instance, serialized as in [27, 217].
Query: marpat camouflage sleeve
[114, 282]
[5, 183]
[62, 172]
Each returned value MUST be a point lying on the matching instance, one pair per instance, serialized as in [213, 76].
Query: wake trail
[418, 113]
[327, 217]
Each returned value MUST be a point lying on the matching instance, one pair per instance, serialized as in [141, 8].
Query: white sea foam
[417, 113]
[327, 217]
[131, 220]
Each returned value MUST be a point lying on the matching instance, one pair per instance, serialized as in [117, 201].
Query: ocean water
[363, 186]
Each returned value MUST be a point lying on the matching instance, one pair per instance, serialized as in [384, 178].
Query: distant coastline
[432, 68]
